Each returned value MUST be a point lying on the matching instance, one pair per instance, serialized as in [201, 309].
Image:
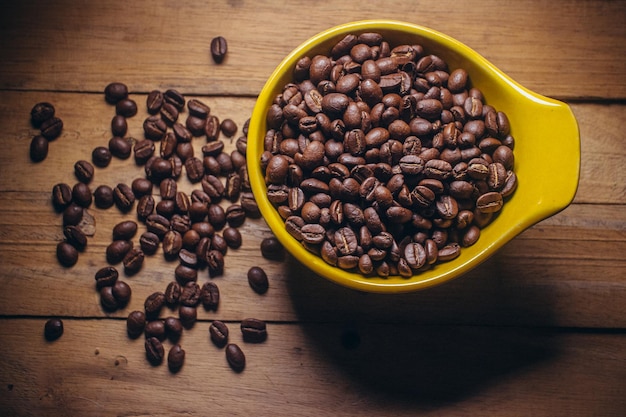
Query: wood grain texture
[317, 369]
[570, 50]
[538, 329]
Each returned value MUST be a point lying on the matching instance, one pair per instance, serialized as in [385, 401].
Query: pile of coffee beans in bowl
[383, 160]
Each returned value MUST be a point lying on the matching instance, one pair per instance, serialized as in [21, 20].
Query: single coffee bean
[185, 274]
[218, 331]
[135, 324]
[84, 171]
[41, 112]
[219, 48]
[51, 128]
[38, 148]
[67, 254]
[210, 296]
[257, 279]
[215, 262]
[253, 330]
[154, 128]
[61, 196]
[124, 197]
[175, 98]
[107, 299]
[75, 237]
[233, 237]
[235, 357]
[119, 126]
[122, 293]
[154, 303]
[228, 127]
[126, 107]
[53, 329]
[133, 261]
[143, 150]
[188, 316]
[81, 194]
[141, 187]
[154, 101]
[172, 293]
[190, 295]
[101, 156]
[149, 243]
[117, 250]
[115, 92]
[173, 328]
[145, 207]
[103, 197]
[272, 249]
[175, 358]
[195, 125]
[72, 215]
[155, 328]
[120, 147]
[198, 108]
[212, 128]
[154, 351]
[106, 277]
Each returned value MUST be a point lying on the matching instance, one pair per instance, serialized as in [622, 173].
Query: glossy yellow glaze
[547, 153]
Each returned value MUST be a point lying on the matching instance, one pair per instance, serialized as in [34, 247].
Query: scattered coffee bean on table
[53, 329]
[195, 231]
[219, 48]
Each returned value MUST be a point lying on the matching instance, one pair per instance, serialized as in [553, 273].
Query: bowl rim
[453, 268]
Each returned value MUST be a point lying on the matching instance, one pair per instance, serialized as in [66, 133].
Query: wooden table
[538, 330]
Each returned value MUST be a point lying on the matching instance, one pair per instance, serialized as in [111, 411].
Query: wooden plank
[316, 369]
[570, 50]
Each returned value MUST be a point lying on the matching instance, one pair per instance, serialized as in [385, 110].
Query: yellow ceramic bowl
[547, 153]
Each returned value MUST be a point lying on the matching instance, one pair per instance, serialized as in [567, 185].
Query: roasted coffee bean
[235, 357]
[257, 279]
[61, 196]
[107, 299]
[122, 293]
[198, 108]
[155, 328]
[228, 127]
[212, 128]
[124, 197]
[51, 128]
[106, 277]
[219, 48]
[135, 324]
[75, 237]
[188, 316]
[232, 237]
[101, 156]
[149, 243]
[175, 98]
[172, 293]
[72, 215]
[154, 303]
[115, 92]
[173, 328]
[120, 147]
[215, 262]
[119, 125]
[253, 330]
[489, 202]
[210, 296]
[195, 169]
[172, 244]
[154, 351]
[38, 148]
[175, 358]
[84, 171]
[157, 224]
[125, 230]
[190, 295]
[166, 208]
[143, 150]
[41, 112]
[117, 250]
[185, 273]
[154, 128]
[154, 101]
[169, 113]
[103, 197]
[145, 206]
[272, 249]
[133, 261]
[81, 195]
[218, 331]
[126, 107]
[141, 187]
[67, 254]
[53, 329]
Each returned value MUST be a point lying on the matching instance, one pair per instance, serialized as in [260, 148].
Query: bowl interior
[547, 152]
